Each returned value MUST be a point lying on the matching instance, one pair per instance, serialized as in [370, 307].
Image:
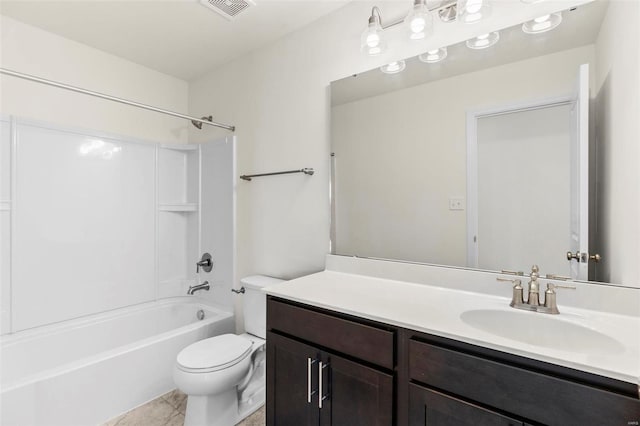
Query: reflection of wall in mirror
[393, 183]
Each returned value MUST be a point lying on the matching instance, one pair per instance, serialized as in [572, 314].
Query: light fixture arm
[444, 6]
[375, 11]
[376, 15]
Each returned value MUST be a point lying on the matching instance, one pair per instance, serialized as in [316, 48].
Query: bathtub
[89, 370]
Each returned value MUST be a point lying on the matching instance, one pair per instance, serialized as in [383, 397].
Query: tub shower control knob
[206, 263]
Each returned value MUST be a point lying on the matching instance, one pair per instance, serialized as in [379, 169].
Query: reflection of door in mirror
[523, 178]
[518, 155]
[579, 227]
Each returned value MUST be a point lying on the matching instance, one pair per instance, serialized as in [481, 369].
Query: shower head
[198, 124]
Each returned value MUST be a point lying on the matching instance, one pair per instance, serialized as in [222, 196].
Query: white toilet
[224, 376]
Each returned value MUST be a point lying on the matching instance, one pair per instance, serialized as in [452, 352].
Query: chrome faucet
[206, 263]
[533, 301]
[204, 286]
[534, 288]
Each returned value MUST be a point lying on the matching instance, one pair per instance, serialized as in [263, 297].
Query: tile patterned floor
[168, 410]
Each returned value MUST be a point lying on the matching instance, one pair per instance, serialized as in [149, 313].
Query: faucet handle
[206, 263]
[550, 297]
[551, 287]
[516, 281]
[558, 277]
[516, 298]
[507, 272]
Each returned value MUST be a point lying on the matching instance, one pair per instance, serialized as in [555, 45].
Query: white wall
[278, 97]
[618, 135]
[33, 51]
[382, 210]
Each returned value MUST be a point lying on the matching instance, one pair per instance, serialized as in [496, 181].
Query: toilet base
[212, 410]
[221, 410]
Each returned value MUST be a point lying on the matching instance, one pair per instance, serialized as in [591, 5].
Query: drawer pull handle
[321, 395]
[310, 393]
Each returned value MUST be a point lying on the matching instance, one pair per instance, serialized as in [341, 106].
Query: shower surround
[99, 235]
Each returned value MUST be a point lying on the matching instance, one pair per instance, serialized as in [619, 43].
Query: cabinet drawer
[534, 396]
[430, 408]
[362, 341]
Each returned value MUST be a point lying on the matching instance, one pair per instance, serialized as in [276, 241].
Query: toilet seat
[213, 354]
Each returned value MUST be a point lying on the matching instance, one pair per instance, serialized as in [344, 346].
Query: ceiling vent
[228, 8]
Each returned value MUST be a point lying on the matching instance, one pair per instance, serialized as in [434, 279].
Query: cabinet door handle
[310, 393]
[321, 395]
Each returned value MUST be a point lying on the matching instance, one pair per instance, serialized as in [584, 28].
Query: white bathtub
[89, 370]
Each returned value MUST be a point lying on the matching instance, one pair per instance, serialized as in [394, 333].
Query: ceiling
[181, 38]
[580, 26]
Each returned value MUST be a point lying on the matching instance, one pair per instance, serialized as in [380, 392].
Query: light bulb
[471, 11]
[483, 41]
[393, 67]
[419, 22]
[542, 18]
[474, 6]
[542, 23]
[433, 56]
[372, 42]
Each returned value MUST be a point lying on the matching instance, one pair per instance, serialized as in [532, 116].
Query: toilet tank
[255, 303]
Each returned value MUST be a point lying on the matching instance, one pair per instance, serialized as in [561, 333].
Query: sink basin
[541, 330]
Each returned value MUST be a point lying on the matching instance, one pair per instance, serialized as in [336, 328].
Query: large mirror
[494, 158]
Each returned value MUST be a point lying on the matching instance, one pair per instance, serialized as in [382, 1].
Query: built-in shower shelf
[180, 147]
[179, 207]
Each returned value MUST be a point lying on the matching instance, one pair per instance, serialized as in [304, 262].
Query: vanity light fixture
[433, 56]
[393, 67]
[419, 21]
[542, 24]
[483, 41]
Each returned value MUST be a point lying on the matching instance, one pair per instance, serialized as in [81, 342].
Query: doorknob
[574, 256]
[583, 257]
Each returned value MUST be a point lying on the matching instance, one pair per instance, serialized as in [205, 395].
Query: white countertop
[438, 310]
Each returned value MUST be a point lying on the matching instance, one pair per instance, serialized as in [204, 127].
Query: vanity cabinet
[451, 381]
[327, 370]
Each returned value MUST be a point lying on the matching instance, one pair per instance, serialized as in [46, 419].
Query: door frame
[473, 116]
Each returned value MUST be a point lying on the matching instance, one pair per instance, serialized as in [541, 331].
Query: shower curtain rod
[112, 98]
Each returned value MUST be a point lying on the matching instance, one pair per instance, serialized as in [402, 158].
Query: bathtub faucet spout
[194, 288]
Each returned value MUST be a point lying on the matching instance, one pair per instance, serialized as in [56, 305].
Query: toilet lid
[214, 353]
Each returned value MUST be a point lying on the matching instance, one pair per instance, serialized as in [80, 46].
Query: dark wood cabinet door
[355, 395]
[290, 381]
[431, 408]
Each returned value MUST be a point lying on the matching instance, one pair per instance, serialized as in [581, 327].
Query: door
[354, 395]
[292, 382]
[579, 219]
[428, 407]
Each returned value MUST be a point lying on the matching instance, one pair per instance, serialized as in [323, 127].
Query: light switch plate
[456, 203]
